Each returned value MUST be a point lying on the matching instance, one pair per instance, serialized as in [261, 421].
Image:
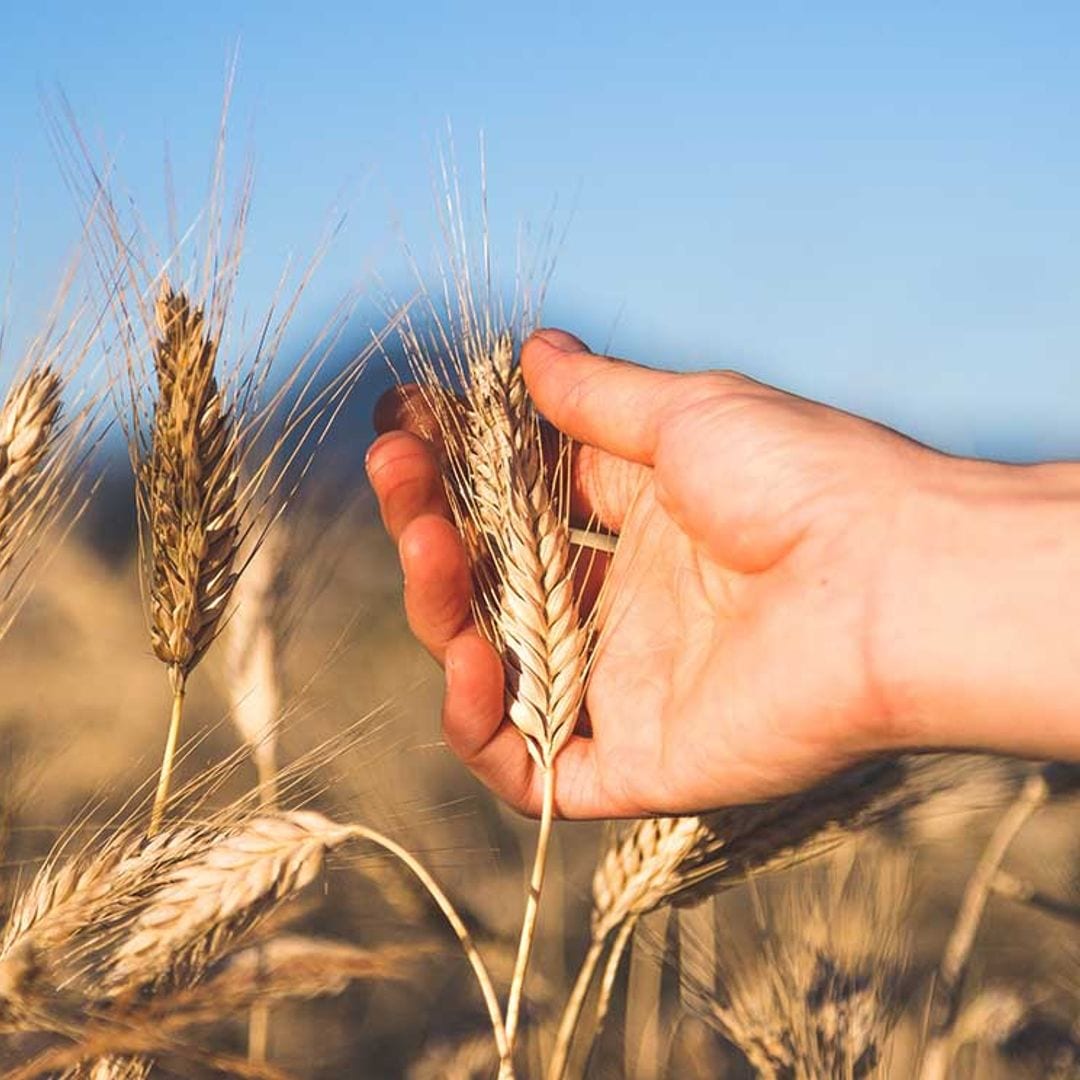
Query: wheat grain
[28, 420]
[209, 900]
[190, 485]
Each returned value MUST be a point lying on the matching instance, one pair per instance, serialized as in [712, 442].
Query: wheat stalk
[514, 520]
[188, 488]
[254, 657]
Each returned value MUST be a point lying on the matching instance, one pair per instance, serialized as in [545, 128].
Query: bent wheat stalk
[140, 917]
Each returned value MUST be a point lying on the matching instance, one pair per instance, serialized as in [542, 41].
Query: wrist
[976, 641]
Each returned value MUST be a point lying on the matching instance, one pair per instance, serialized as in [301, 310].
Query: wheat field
[234, 845]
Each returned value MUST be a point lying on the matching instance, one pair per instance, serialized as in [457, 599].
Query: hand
[763, 595]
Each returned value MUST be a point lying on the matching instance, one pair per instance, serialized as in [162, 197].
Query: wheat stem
[611, 971]
[472, 954]
[937, 1057]
[532, 908]
[572, 1010]
[258, 1032]
[161, 796]
[1024, 892]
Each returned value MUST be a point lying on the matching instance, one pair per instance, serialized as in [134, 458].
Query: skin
[794, 589]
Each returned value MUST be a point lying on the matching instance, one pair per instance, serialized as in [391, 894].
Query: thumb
[609, 403]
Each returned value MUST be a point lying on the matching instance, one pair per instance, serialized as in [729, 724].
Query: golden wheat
[28, 419]
[189, 483]
[253, 660]
[658, 861]
[514, 517]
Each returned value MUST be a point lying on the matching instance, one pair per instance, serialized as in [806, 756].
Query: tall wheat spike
[212, 444]
[188, 488]
[511, 509]
[191, 489]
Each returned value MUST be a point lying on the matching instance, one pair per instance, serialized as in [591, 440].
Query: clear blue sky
[876, 205]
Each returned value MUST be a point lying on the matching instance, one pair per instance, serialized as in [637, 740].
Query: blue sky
[875, 205]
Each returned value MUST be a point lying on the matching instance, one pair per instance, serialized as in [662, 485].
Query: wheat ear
[28, 419]
[516, 528]
[544, 646]
[209, 900]
[188, 486]
[658, 861]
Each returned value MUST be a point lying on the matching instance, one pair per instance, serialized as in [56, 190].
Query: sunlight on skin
[770, 600]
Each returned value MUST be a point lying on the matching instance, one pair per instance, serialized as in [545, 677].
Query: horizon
[877, 213]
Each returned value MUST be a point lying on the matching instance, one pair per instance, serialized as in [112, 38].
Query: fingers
[610, 404]
[603, 486]
[437, 582]
[494, 750]
[405, 477]
[407, 408]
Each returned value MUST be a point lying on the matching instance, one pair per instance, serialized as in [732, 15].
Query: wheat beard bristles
[660, 859]
[536, 621]
[28, 418]
[209, 900]
[636, 875]
[190, 481]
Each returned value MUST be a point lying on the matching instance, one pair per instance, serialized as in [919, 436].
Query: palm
[747, 676]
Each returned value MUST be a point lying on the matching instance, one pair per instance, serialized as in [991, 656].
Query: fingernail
[560, 340]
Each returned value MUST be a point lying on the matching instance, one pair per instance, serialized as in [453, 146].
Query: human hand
[763, 615]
